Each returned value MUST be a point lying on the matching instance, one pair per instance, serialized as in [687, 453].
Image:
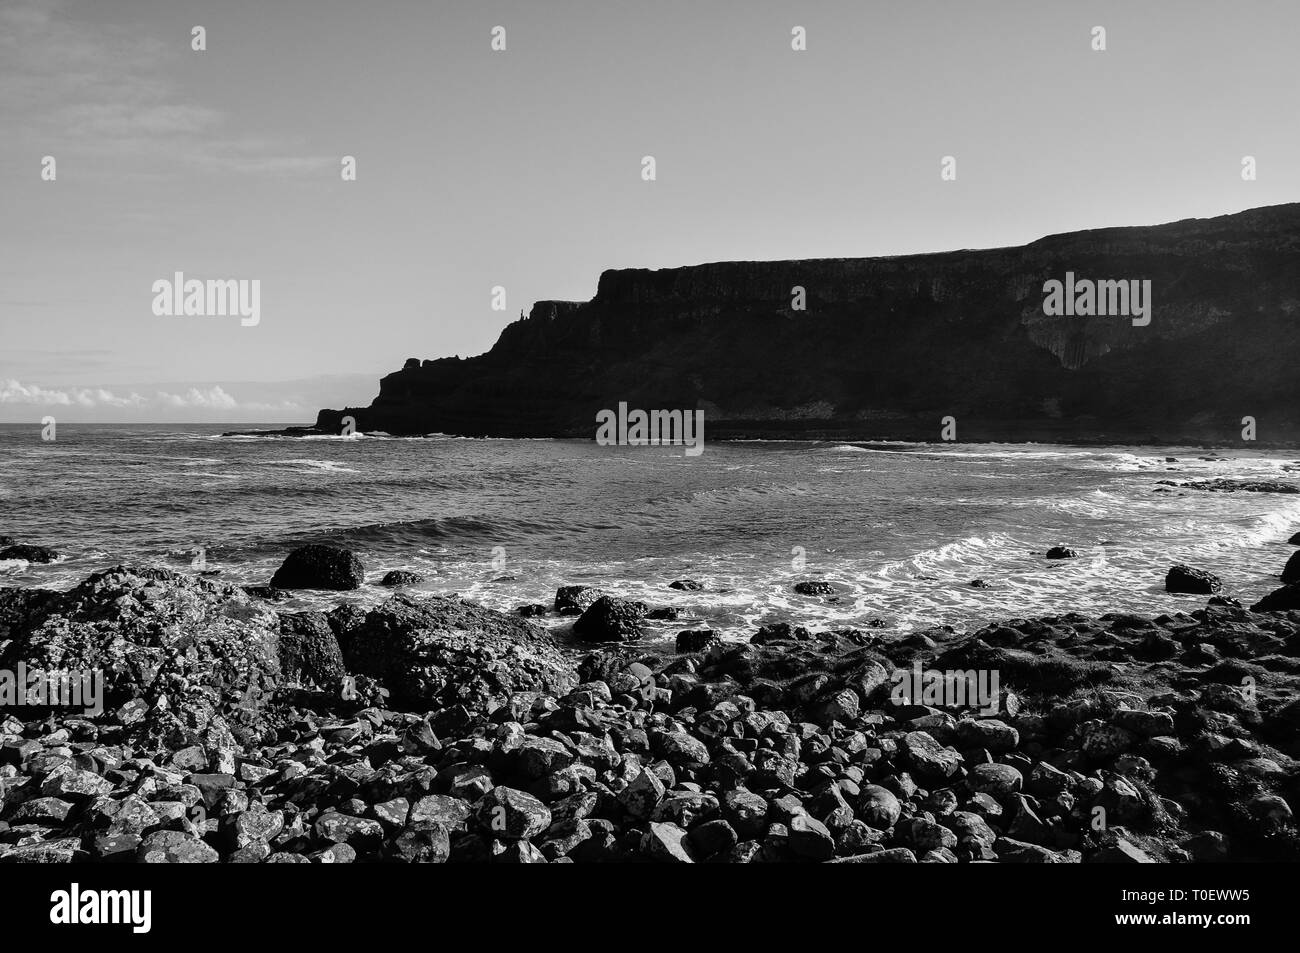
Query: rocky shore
[432, 730]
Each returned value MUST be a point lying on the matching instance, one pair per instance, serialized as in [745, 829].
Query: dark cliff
[888, 346]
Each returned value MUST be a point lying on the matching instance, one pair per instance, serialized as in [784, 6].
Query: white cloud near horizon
[210, 398]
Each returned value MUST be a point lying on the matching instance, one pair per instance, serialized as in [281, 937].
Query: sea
[900, 531]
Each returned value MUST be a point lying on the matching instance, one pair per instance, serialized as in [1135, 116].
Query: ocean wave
[332, 466]
[749, 493]
[969, 553]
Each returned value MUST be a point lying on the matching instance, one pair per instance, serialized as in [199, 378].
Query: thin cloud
[99, 90]
[208, 398]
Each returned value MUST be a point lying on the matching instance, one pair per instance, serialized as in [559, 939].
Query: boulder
[152, 632]
[611, 620]
[401, 577]
[441, 652]
[814, 588]
[1279, 600]
[572, 600]
[320, 567]
[511, 814]
[1182, 578]
[1290, 572]
[697, 640]
[33, 554]
[309, 650]
[1061, 552]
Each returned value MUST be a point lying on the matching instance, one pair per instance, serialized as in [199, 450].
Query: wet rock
[611, 620]
[1279, 600]
[572, 600]
[814, 588]
[697, 640]
[320, 567]
[401, 577]
[1182, 578]
[33, 554]
[686, 585]
[1061, 552]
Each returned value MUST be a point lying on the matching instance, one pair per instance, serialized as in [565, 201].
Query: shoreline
[869, 440]
[473, 735]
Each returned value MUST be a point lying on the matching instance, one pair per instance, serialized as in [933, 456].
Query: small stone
[810, 838]
[666, 843]
[174, 847]
[995, 780]
[508, 813]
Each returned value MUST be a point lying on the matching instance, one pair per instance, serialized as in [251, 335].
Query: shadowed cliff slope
[888, 346]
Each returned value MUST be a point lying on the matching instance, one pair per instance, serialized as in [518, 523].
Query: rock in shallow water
[320, 567]
[33, 554]
[572, 600]
[1182, 578]
[611, 620]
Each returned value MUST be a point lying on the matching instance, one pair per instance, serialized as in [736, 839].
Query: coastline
[427, 730]
[871, 438]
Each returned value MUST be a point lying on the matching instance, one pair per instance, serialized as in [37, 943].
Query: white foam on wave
[972, 551]
[331, 466]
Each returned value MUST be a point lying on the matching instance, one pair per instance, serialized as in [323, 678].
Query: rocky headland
[887, 347]
[432, 730]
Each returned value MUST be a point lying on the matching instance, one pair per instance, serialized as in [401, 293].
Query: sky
[522, 168]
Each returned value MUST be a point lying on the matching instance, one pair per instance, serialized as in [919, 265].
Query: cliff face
[888, 346]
